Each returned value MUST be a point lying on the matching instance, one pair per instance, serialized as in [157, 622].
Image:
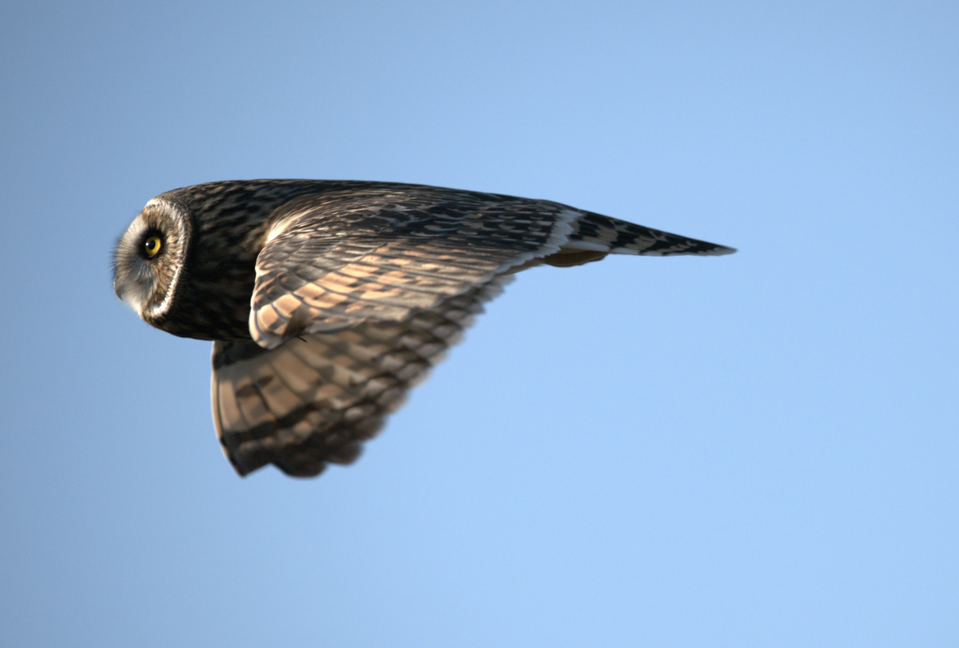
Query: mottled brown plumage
[328, 300]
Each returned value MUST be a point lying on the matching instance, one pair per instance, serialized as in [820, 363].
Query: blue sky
[751, 450]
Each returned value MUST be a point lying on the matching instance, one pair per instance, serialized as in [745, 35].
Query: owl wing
[316, 398]
[337, 259]
[356, 298]
[359, 293]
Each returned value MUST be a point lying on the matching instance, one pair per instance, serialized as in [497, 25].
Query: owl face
[150, 259]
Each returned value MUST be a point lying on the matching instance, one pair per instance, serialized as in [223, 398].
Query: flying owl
[328, 300]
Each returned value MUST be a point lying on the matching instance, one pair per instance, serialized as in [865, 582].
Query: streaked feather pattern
[328, 300]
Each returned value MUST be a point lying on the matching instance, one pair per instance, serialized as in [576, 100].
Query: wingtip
[722, 250]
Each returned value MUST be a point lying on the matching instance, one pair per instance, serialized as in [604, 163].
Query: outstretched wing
[359, 292]
[336, 259]
[315, 399]
[357, 296]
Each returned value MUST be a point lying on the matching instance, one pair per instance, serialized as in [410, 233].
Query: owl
[326, 301]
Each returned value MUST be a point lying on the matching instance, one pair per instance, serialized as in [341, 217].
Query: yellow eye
[152, 246]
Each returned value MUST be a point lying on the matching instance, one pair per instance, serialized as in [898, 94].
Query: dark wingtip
[721, 250]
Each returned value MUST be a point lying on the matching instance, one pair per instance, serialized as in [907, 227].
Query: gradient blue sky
[756, 450]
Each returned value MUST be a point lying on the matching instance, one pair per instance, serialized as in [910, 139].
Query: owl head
[186, 264]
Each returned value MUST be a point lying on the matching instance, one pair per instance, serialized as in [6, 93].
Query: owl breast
[212, 303]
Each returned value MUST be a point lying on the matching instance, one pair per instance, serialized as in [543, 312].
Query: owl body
[328, 300]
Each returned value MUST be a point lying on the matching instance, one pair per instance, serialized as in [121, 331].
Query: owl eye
[152, 246]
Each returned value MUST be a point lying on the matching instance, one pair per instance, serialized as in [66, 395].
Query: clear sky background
[755, 450]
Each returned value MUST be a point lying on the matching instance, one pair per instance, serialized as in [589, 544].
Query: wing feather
[331, 262]
[315, 399]
[358, 293]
